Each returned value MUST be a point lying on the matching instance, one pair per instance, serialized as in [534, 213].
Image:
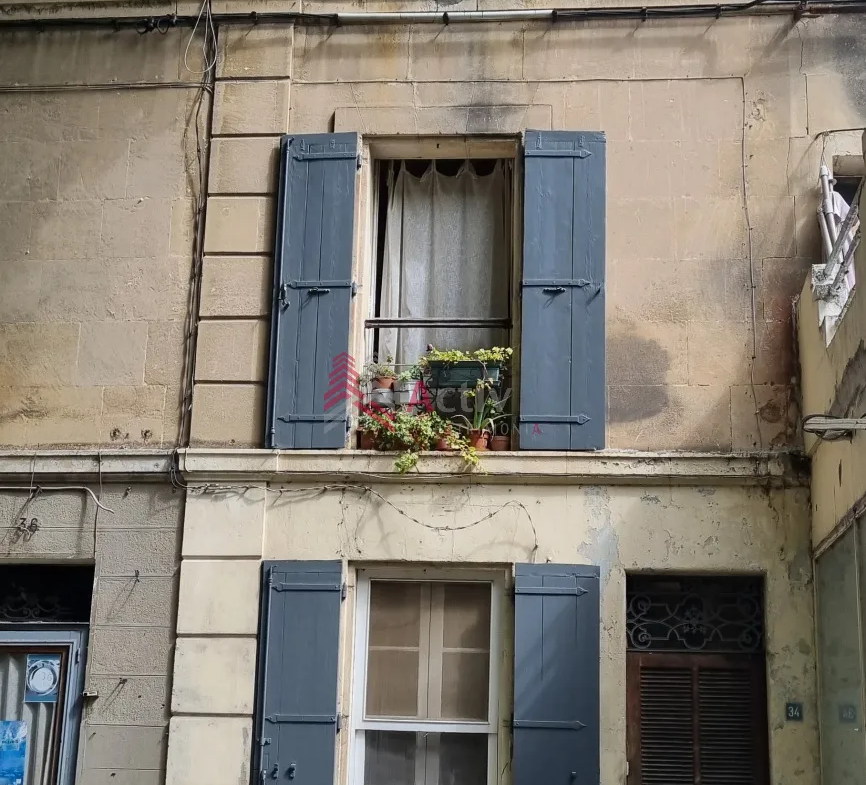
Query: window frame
[72, 639]
[360, 724]
[380, 150]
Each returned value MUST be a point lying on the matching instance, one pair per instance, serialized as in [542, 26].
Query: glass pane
[395, 758]
[842, 739]
[467, 616]
[28, 708]
[390, 758]
[462, 759]
[465, 682]
[392, 683]
[395, 614]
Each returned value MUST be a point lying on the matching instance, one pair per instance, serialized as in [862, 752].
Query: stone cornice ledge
[84, 465]
[198, 465]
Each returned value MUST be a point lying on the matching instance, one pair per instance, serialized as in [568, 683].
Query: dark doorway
[695, 680]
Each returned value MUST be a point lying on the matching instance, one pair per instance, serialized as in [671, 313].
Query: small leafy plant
[486, 410]
[411, 434]
[379, 370]
[497, 355]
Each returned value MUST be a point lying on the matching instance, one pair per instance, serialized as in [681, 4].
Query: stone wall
[712, 157]
[132, 625]
[96, 209]
[712, 165]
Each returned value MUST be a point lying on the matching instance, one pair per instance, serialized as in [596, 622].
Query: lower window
[426, 686]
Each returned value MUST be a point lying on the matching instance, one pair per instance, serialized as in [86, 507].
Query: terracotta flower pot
[442, 445]
[478, 439]
[366, 440]
[500, 443]
[384, 382]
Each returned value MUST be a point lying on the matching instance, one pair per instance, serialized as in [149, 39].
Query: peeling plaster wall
[621, 528]
[834, 380]
[136, 552]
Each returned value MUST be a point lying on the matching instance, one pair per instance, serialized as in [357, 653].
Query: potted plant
[372, 428]
[500, 442]
[443, 369]
[382, 375]
[486, 412]
[411, 434]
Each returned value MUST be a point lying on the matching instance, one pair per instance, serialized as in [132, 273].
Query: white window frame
[360, 723]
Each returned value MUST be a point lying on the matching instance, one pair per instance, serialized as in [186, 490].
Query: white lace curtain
[446, 255]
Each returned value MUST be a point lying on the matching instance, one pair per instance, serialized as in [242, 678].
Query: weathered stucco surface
[834, 382]
[623, 528]
[136, 552]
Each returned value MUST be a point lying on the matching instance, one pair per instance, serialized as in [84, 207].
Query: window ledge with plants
[449, 401]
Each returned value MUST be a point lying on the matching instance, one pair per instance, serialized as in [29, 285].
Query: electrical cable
[37, 489]
[359, 488]
[208, 52]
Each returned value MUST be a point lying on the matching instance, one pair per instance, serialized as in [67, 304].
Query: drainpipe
[828, 220]
[416, 17]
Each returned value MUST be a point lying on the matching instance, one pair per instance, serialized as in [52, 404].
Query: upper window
[434, 262]
[426, 696]
[443, 257]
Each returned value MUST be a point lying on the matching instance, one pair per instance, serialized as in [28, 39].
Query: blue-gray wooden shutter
[562, 367]
[313, 290]
[556, 665]
[296, 707]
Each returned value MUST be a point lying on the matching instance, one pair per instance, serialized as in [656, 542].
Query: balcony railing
[833, 281]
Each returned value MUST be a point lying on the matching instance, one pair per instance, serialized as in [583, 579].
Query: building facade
[199, 219]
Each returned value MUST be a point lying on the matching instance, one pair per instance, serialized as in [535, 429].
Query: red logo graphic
[344, 384]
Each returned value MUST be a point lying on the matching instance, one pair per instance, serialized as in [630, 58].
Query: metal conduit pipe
[145, 24]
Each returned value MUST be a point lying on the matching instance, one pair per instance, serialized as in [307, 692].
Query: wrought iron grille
[695, 614]
[45, 593]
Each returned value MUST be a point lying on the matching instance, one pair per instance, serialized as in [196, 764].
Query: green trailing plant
[411, 434]
[410, 374]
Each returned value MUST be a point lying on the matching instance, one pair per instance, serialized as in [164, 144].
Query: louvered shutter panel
[696, 718]
[556, 665]
[727, 750]
[296, 710]
[667, 726]
[313, 289]
[562, 370]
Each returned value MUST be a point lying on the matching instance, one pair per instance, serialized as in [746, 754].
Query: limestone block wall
[713, 129]
[716, 525]
[97, 182]
[136, 553]
[713, 153]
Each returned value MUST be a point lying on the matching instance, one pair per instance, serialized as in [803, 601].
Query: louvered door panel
[667, 737]
[726, 726]
[696, 719]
